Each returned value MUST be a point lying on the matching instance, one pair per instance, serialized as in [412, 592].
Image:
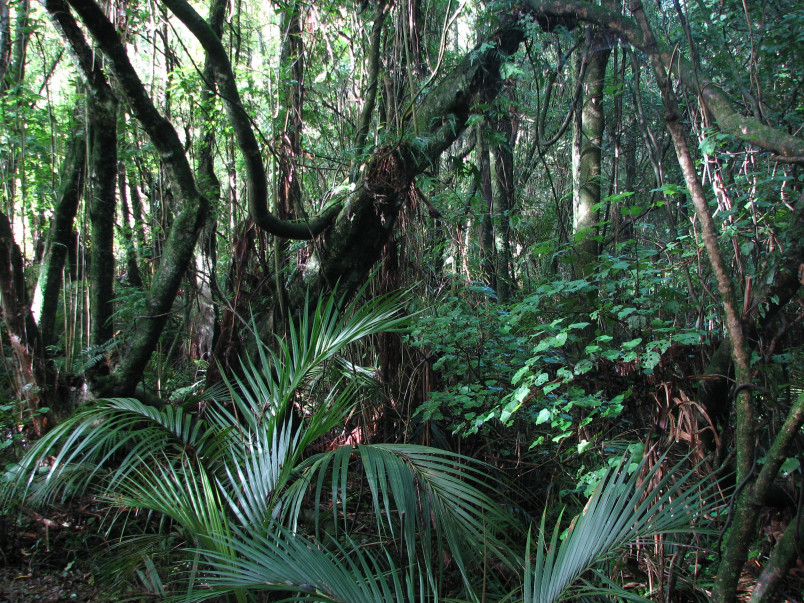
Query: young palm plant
[229, 483]
[626, 508]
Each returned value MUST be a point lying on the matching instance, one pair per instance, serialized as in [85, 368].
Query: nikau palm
[626, 508]
[232, 480]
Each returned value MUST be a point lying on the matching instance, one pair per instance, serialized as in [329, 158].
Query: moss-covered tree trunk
[586, 153]
[103, 202]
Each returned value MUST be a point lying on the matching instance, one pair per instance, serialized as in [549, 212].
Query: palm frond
[279, 560]
[421, 496]
[76, 452]
[622, 510]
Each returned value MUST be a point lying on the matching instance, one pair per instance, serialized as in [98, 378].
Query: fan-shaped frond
[623, 509]
[422, 496]
[279, 560]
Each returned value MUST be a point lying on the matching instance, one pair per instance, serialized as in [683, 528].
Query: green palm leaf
[279, 560]
[624, 509]
[422, 496]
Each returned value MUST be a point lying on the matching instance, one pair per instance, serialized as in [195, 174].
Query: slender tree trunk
[103, 166]
[5, 43]
[60, 239]
[204, 323]
[22, 33]
[289, 127]
[289, 121]
[586, 160]
[373, 77]
[504, 203]
[133, 276]
[487, 211]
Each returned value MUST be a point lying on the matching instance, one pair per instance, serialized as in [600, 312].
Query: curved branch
[713, 96]
[187, 224]
[246, 141]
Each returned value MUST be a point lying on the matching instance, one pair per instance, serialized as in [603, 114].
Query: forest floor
[47, 556]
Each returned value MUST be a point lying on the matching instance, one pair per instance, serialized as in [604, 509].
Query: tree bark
[487, 210]
[289, 121]
[103, 165]
[367, 111]
[36, 385]
[503, 204]
[19, 49]
[59, 240]
[204, 324]
[133, 276]
[5, 43]
[587, 156]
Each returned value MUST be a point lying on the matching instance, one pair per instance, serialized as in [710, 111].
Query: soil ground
[46, 556]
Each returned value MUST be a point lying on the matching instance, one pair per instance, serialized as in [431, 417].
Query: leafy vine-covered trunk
[351, 247]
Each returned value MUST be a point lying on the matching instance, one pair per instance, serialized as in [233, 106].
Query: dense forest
[413, 300]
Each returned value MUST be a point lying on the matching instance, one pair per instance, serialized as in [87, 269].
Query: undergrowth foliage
[228, 495]
[234, 484]
[535, 361]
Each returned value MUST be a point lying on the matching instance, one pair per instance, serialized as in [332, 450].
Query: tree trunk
[204, 325]
[60, 239]
[103, 165]
[503, 204]
[289, 121]
[5, 43]
[133, 276]
[586, 159]
[487, 210]
[36, 385]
